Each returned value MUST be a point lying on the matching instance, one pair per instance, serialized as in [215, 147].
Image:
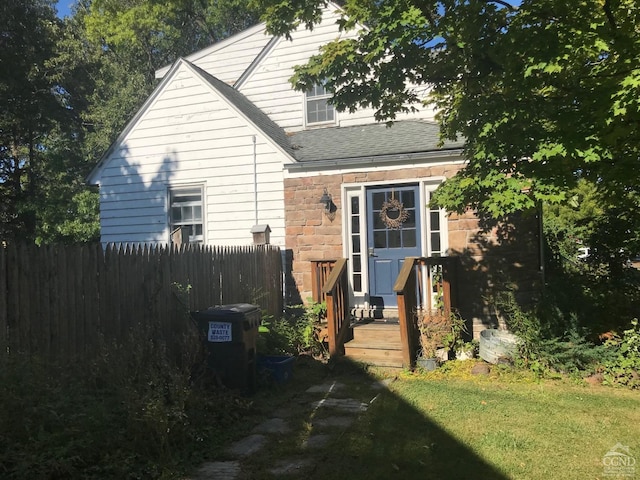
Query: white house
[224, 144]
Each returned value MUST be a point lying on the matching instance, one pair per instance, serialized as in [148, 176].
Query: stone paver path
[338, 413]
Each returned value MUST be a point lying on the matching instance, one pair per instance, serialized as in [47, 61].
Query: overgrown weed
[131, 412]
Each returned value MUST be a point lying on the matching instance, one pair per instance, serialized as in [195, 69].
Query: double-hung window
[186, 207]
[318, 109]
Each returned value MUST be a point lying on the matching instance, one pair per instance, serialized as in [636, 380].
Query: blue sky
[64, 7]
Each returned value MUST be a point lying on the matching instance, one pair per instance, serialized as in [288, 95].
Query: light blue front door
[393, 233]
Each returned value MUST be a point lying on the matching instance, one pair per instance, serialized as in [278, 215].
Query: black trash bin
[231, 332]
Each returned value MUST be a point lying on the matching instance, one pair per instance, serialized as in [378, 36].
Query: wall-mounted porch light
[328, 205]
[326, 201]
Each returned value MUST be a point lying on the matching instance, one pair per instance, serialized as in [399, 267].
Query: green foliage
[294, 335]
[523, 324]
[38, 121]
[569, 226]
[68, 87]
[545, 93]
[624, 368]
[545, 350]
[455, 338]
[572, 354]
[131, 412]
[154, 32]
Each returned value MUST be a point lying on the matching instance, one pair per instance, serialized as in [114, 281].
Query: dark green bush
[131, 412]
[624, 366]
[543, 349]
[294, 334]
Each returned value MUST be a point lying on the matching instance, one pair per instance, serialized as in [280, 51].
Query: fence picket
[57, 301]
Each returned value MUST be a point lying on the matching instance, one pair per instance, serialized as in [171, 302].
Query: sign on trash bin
[219, 332]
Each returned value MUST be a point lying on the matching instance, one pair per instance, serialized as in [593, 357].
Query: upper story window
[317, 107]
[186, 211]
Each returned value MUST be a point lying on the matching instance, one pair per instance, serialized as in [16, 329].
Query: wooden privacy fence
[56, 302]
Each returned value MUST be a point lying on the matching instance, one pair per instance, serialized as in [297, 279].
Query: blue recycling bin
[230, 333]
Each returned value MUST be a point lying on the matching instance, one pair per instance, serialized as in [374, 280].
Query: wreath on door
[393, 213]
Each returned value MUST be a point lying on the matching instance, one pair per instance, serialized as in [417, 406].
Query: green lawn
[456, 426]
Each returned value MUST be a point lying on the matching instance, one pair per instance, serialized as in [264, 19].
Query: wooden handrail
[320, 271]
[335, 292]
[417, 291]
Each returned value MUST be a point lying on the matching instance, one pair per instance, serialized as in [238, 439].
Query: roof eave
[376, 160]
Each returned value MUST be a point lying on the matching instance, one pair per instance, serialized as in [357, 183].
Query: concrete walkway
[328, 412]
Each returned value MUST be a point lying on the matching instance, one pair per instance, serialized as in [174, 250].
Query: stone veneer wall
[489, 258]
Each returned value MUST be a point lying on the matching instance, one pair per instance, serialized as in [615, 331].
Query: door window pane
[378, 223]
[410, 222]
[378, 199]
[355, 205]
[408, 199]
[357, 282]
[435, 242]
[355, 243]
[394, 239]
[409, 238]
[355, 224]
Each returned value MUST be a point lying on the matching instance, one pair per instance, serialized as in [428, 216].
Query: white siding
[187, 134]
[268, 85]
[190, 135]
[228, 59]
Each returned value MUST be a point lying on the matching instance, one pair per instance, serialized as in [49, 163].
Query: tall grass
[131, 412]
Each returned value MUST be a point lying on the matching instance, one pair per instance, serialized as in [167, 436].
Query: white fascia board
[256, 61]
[367, 164]
[452, 155]
[194, 57]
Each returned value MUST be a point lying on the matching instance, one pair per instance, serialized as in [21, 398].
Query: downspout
[255, 179]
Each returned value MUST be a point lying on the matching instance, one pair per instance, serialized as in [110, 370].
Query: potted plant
[441, 336]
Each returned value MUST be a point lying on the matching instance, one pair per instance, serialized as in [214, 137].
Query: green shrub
[624, 367]
[298, 333]
[131, 412]
[572, 354]
[543, 350]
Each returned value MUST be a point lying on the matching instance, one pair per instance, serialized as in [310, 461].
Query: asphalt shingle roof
[242, 103]
[371, 140]
[339, 143]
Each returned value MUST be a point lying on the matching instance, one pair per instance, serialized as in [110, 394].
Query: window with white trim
[186, 211]
[318, 109]
[436, 229]
[355, 245]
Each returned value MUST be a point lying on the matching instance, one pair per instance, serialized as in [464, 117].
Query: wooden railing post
[335, 292]
[405, 288]
[411, 301]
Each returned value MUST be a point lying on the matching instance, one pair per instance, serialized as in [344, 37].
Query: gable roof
[372, 140]
[234, 98]
[196, 56]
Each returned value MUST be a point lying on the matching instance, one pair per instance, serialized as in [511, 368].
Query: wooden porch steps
[375, 343]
